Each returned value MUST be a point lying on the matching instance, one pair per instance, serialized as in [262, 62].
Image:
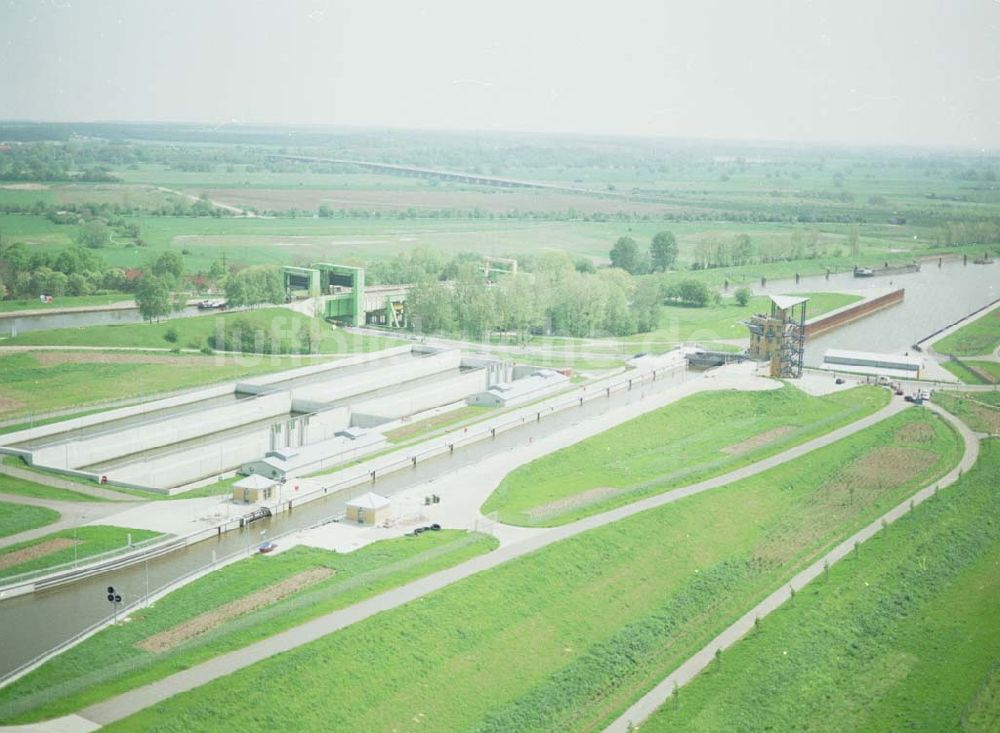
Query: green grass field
[442, 422]
[698, 437]
[978, 338]
[725, 321]
[16, 518]
[979, 410]
[109, 663]
[566, 637]
[905, 636]
[66, 301]
[280, 325]
[37, 381]
[23, 487]
[89, 541]
[974, 372]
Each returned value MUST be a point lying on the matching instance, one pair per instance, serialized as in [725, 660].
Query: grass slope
[979, 410]
[677, 445]
[904, 636]
[23, 487]
[15, 518]
[725, 321]
[38, 381]
[566, 637]
[281, 325]
[981, 336]
[109, 663]
[974, 372]
[90, 541]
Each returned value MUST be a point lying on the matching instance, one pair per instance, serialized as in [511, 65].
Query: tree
[742, 296]
[170, 267]
[663, 251]
[153, 298]
[625, 255]
[692, 292]
[94, 234]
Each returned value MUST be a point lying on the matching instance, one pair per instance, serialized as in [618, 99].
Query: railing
[171, 585]
[50, 578]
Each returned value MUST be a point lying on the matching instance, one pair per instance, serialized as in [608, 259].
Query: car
[839, 380]
[924, 394]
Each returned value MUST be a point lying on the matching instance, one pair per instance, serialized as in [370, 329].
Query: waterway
[935, 297]
[32, 624]
[17, 325]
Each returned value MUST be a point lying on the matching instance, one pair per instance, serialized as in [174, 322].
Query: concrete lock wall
[100, 448]
[325, 425]
[853, 312]
[408, 402]
[377, 378]
[179, 468]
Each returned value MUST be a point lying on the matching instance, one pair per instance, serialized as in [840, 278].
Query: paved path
[58, 483]
[72, 514]
[131, 702]
[651, 701]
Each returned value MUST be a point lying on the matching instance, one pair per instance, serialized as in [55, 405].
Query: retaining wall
[409, 402]
[377, 378]
[89, 450]
[851, 313]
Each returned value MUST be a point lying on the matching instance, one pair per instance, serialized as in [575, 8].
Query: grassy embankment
[444, 421]
[979, 410]
[566, 637]
[723, 321]
[110, 662]
[45, 380]
[23, 487]
[58, 548]
[279, 327]
[15, 518]
[980, 337]
[974, 372]
[905, 635]
[696, 438]
[65, 301]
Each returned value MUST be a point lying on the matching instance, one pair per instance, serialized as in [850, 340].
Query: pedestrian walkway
[651, 701]
[97, 492]
[131, 702]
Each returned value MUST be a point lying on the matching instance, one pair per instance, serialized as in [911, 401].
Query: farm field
[15, 518]
[974, 372]
[58, 548]
[903, 636]
[564, 638]
[979, 410]
[693, 439]
[978, 338]
[161, 640]
[37, 381]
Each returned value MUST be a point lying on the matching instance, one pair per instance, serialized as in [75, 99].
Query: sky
[909, 72]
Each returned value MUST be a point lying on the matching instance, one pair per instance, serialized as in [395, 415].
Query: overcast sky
[880, 71]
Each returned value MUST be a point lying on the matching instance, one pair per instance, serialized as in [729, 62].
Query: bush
[742, 296]
[170, 335]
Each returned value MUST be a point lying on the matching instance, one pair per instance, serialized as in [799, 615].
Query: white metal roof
[254, 482]
[889, 360]
[785, 302]
[369, 501]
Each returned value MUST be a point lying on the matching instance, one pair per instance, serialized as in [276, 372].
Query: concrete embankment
[853, 312]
